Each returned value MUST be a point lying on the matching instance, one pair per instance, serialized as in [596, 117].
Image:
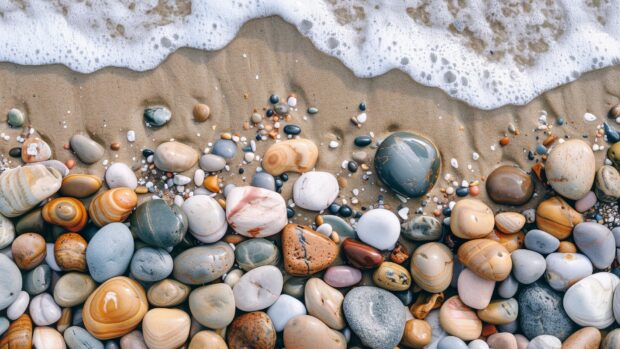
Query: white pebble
[589, 117]
[325, 229]
[464, 183]
[248, 157]
[475, 156]
[199, 177]
[403, 213]
[454, 163]
[292, 101]
[131, 136]
[178, 200]
[595, 147]
[361, 118]
[333, 144]
[181, 180]
[450, 190]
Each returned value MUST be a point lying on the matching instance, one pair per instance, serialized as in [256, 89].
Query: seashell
[296, 155]
[175, 157]
[500, 312]
[511, 242]
[471, 219]
[589, 301]
[70, 252]
[425, 303]
[22, 188]
[509, 222]
[207, 340]
[66, 212]
[28, 250]
[165, 328]
[115, 308]
[487, 258]
[167, 293]
[557, 218]
[34, 149]
[48, 338]
[80, 185]
[113, 205]
[459, 320]
[431, 267]
[19, 334]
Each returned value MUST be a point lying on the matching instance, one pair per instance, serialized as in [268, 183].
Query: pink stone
[474, 291]
[255, 212]
[586, 202]
[522, 342]
[342, 276]
[502, 340]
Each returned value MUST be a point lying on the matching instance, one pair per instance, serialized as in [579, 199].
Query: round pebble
[151, 264]
[120, 175]
[379, 228]
[259, 288]
[264, 180]
[541, 242]
[224, 148]
[15, 118]
[157, 116]
[306, 193]
[109, 252]
[86, 149]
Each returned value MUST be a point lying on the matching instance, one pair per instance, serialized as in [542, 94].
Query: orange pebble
[504, 141]
[115, 146]
[70, 163]
[211, 184]
[474, 191]
[66, 146]
[488, 330]
[567, 247]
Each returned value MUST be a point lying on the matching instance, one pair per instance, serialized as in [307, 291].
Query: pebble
[293, 155]
[607, 184]
[502, 341]
[34, 149]
[7, 232]
[305, 251]
[256, 252]
[432, 266]
[508, 288]
[300, 328]
[376, 316]
[43, 310]
[541, 242]
[306, 194]
[545, 342]
[19, 306]
[407, 164]
[120, 175]
[206, 339]
[212, 163]
[158, 224]
[203, 264]
[612, 340]
[151, 264]
[586, 202]
[359, 156]
[291, 130]
[109, 252]
[473, 290]
[509, 185]
[264, 180]
[557, 217]
[527, 266]
[379, 228]
[255, 212]
[339, 225]
[565, 269]
[417, 333]
[175, 157]
[28, 250]
[325, 229]
[167, 293]
[459, 320]
[256, 118]
[392, 277]
[72, 289]
[86, 149]
[541, 312]
[362, 141]
[15, 118]
[471, 219]
[164, 328]
[422, 228]
[80, 185]
[509, 222]
[451, 342]
[340, 276]
[285, 309]
[225, 148]
[206, 218]
[585, 338]
[324, 302]
[572, 182]
[589, 301]
[294, 286]
[479, 344]
[77, 338]
[157, 116]
[500, 312]
[47, 337]
[213, 306]
[201, 112]
[22, 188]
[597, 242]
[258, 289]
[15, 152]
[252, 330]
[613, 154]
[37, 280]
[487, 258]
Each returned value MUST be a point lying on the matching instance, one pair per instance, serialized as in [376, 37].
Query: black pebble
[345, 211]
[530, 155]
[273, 99]
[147, 152]
[241, 170]
[292, 129]
[462, 191]
[16, 152]
[362, 106]
[284, 177]
[279, 183]
[290, 212]
[269, 112]
[333, 208]
[362, 141]
[446, 211]
[352, 166]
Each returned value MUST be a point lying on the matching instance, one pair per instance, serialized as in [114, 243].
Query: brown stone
[417, 334]
[510, 241]
[585, 338]
[567, 247]
[201, 112]
[557, 217]
[509, 185]
[487, 258]
[425, 303]
[360, 255]
[252, 330]
[305, 251]
[28, 250]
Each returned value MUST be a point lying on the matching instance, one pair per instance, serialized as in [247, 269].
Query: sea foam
[487, 53]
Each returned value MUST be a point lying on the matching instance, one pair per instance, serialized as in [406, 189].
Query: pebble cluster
[165, 259]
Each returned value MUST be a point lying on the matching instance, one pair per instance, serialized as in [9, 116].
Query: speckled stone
[422, 228]
[376, 316]
[541, 312]
[256, 252]
[407, 164]
[541, 242]
[252, 330]
[509, 185]
[151, 264]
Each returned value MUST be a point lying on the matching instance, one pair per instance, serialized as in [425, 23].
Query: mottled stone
[422, 228]
[203, 264]
[565, 269]
[159, 224]
[305, 251]
[257, 252]
[541, 312]
[252, 330]
[565, 177]
[255, 212]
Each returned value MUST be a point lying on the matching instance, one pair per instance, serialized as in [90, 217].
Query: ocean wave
[486, 53]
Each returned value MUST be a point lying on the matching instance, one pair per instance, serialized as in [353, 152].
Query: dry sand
[269, 56]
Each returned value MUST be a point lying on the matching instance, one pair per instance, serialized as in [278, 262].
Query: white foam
[487, 53]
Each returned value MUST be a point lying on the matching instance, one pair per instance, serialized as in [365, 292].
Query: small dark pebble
[241, 170]
[269, 112]
[290, 212]
[281, 109]
[333, 208]
[273, 99]
[292, 129]
[446, 211]
[362, 141]
[247, 149]
[612, 135]
[345, 211]
[352, 166]
[15, 152]
[362, 106]
[284, 177]
[561, 121]
[462, 191]
[147, 152]
[357, 215]
[541, 149]
[405, 296]
[258, 137]
[279, 183]
[530, 155]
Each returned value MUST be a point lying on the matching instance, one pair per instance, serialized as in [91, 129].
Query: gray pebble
[597, 242]
[616, 233]
[508, 288]
[86, 149]
[256, 118]
[110, 344]
[224, 148]
[545, 342]
[451, 342]
[15, 118]
[38, 280]
[360, 156]
[264, 180]
[76, 320]
[281, 108]
[541, 312]
[151, 264]
[212, 163]
[109, 252]
[510, 327]
[10, 281]
[478, 344]
[228, 188]
[541, 242]
[527, 266]
[157, 116]
[78, 338]
[4, 324]
[437, 332]
[422, 228]
[612, 340]
[294, 287]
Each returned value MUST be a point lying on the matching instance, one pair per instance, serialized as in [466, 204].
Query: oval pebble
[597, 242]
[379, 228]
[109, 252]
[10, 281]
[86, 149]
[43, 310]
[541, 242]
[315, 190]
[259, 288]
[151, 264]
[120, 175]
[527, 266]
[565, 269]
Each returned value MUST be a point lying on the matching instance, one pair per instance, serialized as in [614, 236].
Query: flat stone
[78, 338]
[451, 342]
[502, 340]
[607, 184]
[175, 157]
[305, 251]
[151, 264]
[213, 306]
[407, 164]
[300, 328]
[19, 306]
[80, 185]
[325, 303]
[158, 224]
[541, 312]
[72, 289]
[342, 276]
[212, 163]
[422, 228]
[585, 338]
[509, 185]
[264, 180]
[203, 264]
[541, 242]
[86, 149]
[473, 290]
[167, 293]
[256, 252]
[589, 301]
[224, 148]
[527, 266]
[109, 252]
[296, 155]
[586, 202]
[459, 320]
[545, 342]
[471, 219]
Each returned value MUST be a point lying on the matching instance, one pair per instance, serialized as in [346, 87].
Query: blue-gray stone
[225, 148]
[4, 325]
[158, 224]
[405, 296]
[78, 338]
[202, 264]
[375, 315]
[508, 288]
[15, 118]
[109, 252]
[256, 252]
[76, 320]
[151, 264]
[339, 225]
[451, 342]
[616, 233]
[38, 280]
[10, 281]
[422, 228]
[110, 344]
[407, 164]
[511, 327]
[541, 312]
[597, 242]
[612, 340]
[264, 180]
[157, 116]
[541, 242]
[527, 266]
